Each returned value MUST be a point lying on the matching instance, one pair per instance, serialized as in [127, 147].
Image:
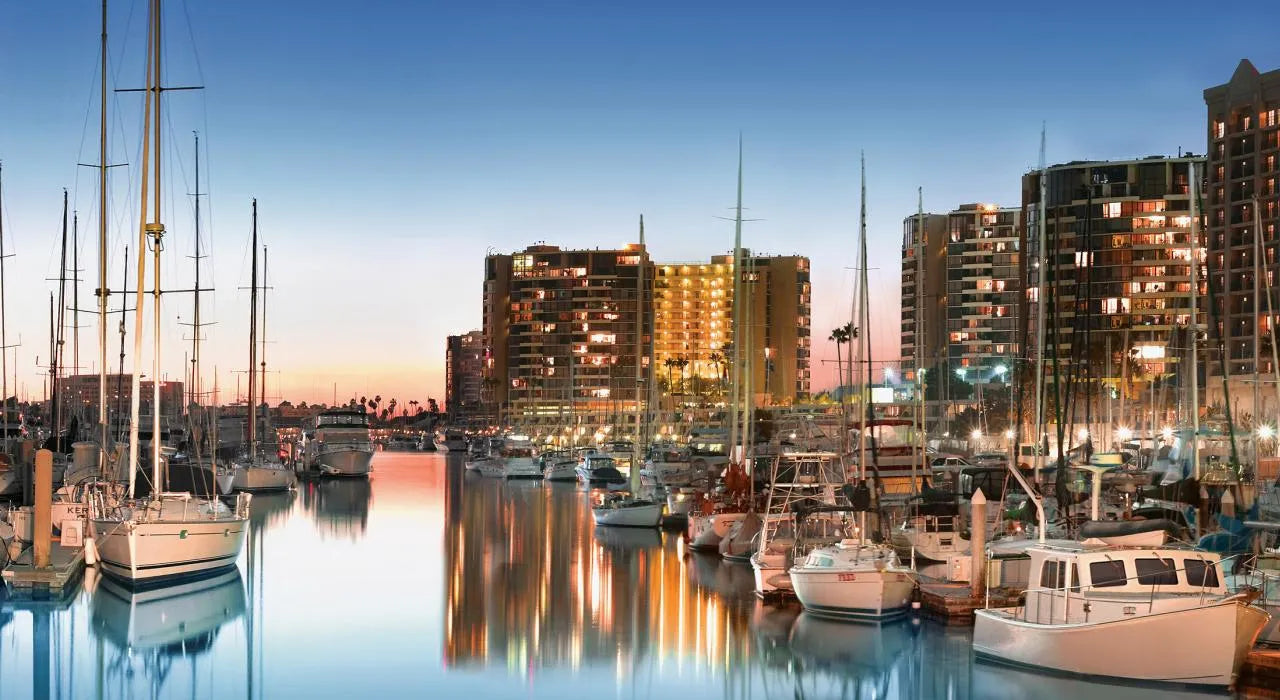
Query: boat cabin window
[1156, 572]
[1075, 578]
[1105, 574]
[1053, 574]
[1201, 573]
[707, 449]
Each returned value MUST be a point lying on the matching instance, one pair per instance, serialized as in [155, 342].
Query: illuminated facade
[693, 332]
[560, 332]
[464, 375]
[81, 392]
[924, 294]
[1243, 198]
[984, 288]
[1119, 273]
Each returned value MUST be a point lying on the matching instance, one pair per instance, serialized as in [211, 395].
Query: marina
[514, 593]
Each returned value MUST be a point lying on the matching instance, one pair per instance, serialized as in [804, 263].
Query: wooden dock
[954, 603]
[65, 566]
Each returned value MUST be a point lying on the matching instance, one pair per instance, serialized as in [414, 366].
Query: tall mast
[634, 475]
[1042, 268]
[75, 293]
[55, 374]
[4, 338]
[103, 436]
[195, 325]
[1194, 191]
[156, 230]
[1257, 344]
[864, 348]
[253, 340]
[1271, 317]
[734, 379]
[144, 229]
[262, 360]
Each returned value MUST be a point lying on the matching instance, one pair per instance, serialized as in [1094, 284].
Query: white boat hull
[493, 468]
[521, 468]
[344, 462]
[707, 531]
[859, 594]
[771, 573]
[1151, 647]
[629, 516]
[154, 552]
[561, 472]
[261, 479]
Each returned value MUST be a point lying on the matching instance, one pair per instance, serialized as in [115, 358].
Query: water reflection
[340, 507]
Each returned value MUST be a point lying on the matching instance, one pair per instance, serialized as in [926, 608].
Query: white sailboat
[256, 471]
[165, 536]
[854, 578]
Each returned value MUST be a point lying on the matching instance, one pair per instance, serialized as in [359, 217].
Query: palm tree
[682, 362]
[841, 336]
[717, 358]
[670, 364]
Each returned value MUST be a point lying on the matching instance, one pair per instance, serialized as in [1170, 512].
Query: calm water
[426, 581]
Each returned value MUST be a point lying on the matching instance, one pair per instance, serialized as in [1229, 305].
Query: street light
[1266, 432]
[1125, 434]
[961, 372]
[1000, 370]
[976, 434]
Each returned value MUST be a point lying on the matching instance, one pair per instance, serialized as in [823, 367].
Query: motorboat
[340, 444]
[1101, 610]
[257, 475]
[621, 451]
[667, 466]
[618, 509]
[598, 469]
[559, 466]
[706, 530]
[851, 578]
[451, 440]
[739, 543]
[797, 479]
[519, 460]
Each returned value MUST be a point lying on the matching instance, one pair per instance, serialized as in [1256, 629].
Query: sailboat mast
[156, 229]
[4, 337]
[1271, 319]
[195, 325]
[143, 230]
[75, 293]
[634, 474]
[262, 360]
[864, 348]
[60, 332]
[1194, 183]
[734, 379]
[1042, 269]
[253, 339]
[1257, 339]
[102, 292]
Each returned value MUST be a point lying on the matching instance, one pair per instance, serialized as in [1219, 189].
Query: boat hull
[771, 573]
[858, 594]
[628, 516]
[262, 479]
[521, 468]
[343, 462]
[1223, 633]
[567, 472]
[705, 532]
[154, 553]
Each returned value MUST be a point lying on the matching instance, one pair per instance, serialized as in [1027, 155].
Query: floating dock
[66, 564]
[954, 603]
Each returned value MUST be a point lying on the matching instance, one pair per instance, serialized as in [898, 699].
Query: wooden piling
[43, 507]
[978, 543]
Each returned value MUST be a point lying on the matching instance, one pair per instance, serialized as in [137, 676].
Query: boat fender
[90, 552]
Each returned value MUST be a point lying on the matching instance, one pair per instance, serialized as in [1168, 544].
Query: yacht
[705, 530]
[597, 469]
[519, 460]
[668, 466]
[618, 509]
[1152, 614]
[559, 466]
[339, 444]
[797, 479]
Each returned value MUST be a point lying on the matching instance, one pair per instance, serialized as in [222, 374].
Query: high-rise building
[924, 294]
[693, 335]
[1118, 299]
[984, 288]
[464, 375]
[80, 394]
[1243, 199]
[560, 331]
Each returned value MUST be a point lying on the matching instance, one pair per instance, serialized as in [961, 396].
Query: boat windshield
[708, 449]
[344, 420]
[602, 463]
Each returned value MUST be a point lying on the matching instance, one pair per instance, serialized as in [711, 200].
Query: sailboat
[164, 536]
[616, 508]
[256, 471]
[854, 578]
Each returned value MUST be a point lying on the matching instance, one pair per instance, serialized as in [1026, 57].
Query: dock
[66, 564]
[954, 603]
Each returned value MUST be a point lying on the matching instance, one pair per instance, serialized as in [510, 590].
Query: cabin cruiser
[796, 480]
[619, 509]
[598, 469]
[339, 444]
[451, 440]
[560, 465]
[519, 461]
[851, 578]
[667, 466]
[1097, 609]
[621, 451]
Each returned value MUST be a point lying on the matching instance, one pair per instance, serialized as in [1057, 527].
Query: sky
[390, 145]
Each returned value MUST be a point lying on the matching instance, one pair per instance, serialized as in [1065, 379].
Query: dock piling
[978, 543]
[43, 507]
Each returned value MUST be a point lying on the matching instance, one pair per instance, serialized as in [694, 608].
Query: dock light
[976, 435]
[1083, 433]
[1266, 432]
[1167, 433]
[1008, 434]
[1000, 370]
[961, 372]
[1124, 434]
[793, 435]
[889, 375]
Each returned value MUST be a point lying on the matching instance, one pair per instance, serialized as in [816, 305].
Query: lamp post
[768, 369]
